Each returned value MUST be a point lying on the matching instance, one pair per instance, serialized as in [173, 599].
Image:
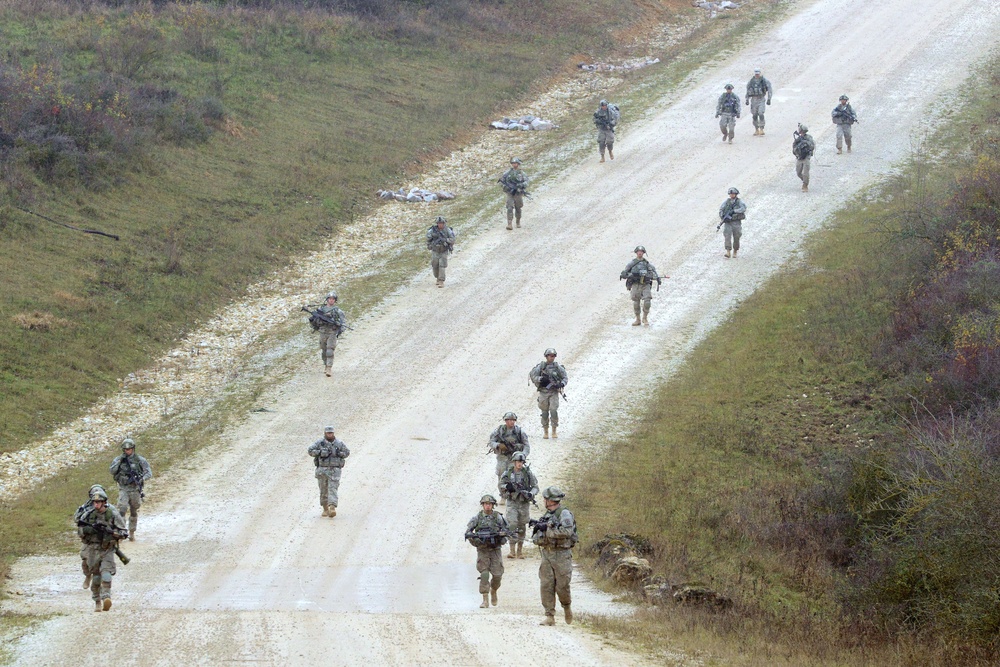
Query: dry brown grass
[39, 321]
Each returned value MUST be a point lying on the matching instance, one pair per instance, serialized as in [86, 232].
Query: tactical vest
[121, 474]
[331, 461]
[757, 87]
[94, 518]
[492, 523]
[561, 542]
[512, 439]
[550, 371]
[730, 103]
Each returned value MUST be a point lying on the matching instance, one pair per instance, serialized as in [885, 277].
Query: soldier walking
[520, 486]
[605, 121]
[549, 379]
[843, 117]
[329, 329]
[100, 528]
[639, 275]
[802, 148]
[440, 241]
[131, 472]
[506, 440]
[487, 531]
[759, 93]
[515, 185]
[80, 511]
[728, 109]
[732, 213]
[328, 455]
[555, 534]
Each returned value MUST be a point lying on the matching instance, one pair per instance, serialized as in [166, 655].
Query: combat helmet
[440, 218]
[553, 493]
[518, 456]
[94, 489]
[733, 191]
[509, 415]
[515, 160]
[844, 98]
[332, 295]
[803, 128]
[604, 103]
[100, 494]
[550, 350]
[329, 429]
[487, 499]
[128, 443]
[640, 247]
[728, 86]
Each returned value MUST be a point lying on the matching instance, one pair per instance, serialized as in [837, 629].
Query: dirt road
[236, 563]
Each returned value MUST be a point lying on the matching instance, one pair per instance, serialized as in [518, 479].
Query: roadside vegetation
[218, 140]
[828, 459]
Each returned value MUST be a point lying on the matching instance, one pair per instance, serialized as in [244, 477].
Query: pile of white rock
[713, 6]
[624, 67]
[522, 123]
[415, 194]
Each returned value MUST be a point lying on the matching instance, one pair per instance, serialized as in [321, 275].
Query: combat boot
[520, 546]
[326, 510]
[602, 158]
[724, 136]
[493, 597]
[839, 151]
[637, 322]
[545, 434]
[98, 606]
[329, 370]
[86, 582]
[517, 223]
[805, 187]
[726, 255]
[510, 225]
[549, 620]
[762, 132]
[106, 604]
[734, 252]
[440, 283]
[554, 434]
[611, 154]
[645, 319]
[512, 554]
[756, 132]
[568, 614]
[848, 146]
[333, 511]
[486, 601]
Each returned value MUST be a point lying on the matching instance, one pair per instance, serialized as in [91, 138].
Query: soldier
[100, 528]
[802, 148]
[732, 213]
[487, 531]
[80, 511]
[514, 184]
[549, 379]
[555, 535]
[520, 486]
[329, 331]
[328, 455]
[131, 472]
[843, 117]
[728, 107]
[505, 441]
[639, 275]
[604, 119]
[757, 88]
[440, 241]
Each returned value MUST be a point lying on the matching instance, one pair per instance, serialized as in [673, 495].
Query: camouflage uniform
[728, 108]
[549, 379]
[131, 472]
[489, 559]
[844, 117]
[329, 333]
[514, 184]
[556, 569]
[505, 441]
[732, 229]
[440, 241]
[639, 275]
[80, 511]
[329, 455]
[802, 148]
[758, 88]
[98, 549]
[604, 120]
[524, 489]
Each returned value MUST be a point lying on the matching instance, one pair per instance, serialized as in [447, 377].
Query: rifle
[727, 218]
[317, 315]
[107, 535]
[512, 488]
[538, 526]
[490, 538]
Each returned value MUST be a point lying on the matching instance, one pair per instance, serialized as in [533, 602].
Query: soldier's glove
[716, 115]
[542, 526]
[509, 487]
[748, 103]
[769, 103]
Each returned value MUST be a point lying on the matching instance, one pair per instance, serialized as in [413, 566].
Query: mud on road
[236, 563]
